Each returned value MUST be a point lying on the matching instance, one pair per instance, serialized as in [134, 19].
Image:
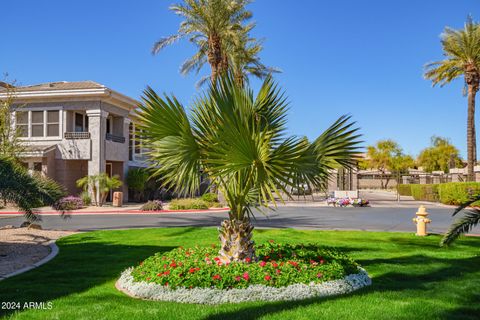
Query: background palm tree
[219, 31]
[470, 219]
[27, 191]
[239, 140]
[462, 51]
[209, 24]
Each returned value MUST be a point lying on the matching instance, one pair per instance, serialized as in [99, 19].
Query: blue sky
[364, 58]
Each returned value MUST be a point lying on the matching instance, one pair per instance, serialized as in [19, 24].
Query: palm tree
[100, 185]
[470, 219]
[209, 24]
[26, 191]
[240, 142]
[462, 51]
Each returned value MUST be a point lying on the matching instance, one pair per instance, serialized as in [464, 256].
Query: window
[109, 125]
[37, 123]
[80, 122]
[130, 142]
[22, 123]
[45, 123]
[53, 123]
[37, 166]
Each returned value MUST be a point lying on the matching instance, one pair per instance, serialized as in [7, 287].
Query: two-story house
[74, 129]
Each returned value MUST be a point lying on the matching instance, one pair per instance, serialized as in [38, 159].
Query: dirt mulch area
[21, 247]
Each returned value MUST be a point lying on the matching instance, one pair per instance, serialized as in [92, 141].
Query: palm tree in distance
[239, 140]
[462, 51]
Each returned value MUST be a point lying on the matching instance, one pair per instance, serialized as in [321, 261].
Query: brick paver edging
[118, 212]
[50, 256]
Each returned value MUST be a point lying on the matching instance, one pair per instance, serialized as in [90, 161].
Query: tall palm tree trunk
[215, 56]
[471, 139]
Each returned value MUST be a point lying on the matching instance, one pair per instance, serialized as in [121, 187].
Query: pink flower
[322, 261]
[238, 278]
[262, 264]
[268, 278]
[248, 260]
[319, 275]
[246, 276]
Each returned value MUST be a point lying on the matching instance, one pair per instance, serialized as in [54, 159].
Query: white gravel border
[51, 255]
[153, 291]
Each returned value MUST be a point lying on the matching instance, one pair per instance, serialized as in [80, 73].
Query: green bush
[86, 198]
[187, 204]
[456, 193]
[425, 192]
[155, 205]
[405, 189]
[210, 197]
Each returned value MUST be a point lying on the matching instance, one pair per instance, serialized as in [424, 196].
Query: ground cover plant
[412, 278]
[278, 265]
[152, 205]
[68, 203]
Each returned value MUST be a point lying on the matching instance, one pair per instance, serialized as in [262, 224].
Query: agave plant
[239, 140]
[467, 222]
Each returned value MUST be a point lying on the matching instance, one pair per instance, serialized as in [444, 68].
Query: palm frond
[461, 226]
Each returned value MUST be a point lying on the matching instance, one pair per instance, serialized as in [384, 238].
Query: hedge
[457, 193]
[404, 189]
[452, 193]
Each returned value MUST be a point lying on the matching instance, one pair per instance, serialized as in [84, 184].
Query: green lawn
[412, 278]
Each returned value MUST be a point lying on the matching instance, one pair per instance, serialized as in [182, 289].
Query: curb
[112, 212]
[50, 256]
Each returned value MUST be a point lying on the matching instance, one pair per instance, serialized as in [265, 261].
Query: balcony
[114, 138]
[76, 135]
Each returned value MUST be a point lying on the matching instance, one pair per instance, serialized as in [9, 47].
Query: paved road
[381, 219]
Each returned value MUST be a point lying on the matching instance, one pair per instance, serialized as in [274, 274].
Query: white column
[126, 134]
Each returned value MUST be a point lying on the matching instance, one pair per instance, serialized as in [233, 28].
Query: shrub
[186, 204]
[277, 266]
[137, 182]
[425, 192]
[456, 193]
[85, 196]
[155, 205]
[405, 189]
[68, 203]
[210, 197]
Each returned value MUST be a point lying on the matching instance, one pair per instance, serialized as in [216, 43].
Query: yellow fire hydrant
[421, 221]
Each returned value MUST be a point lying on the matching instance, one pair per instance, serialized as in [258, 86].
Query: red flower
[278, 271]
[293, 263]
[159, 274]
[166, 283]
[238, 278]
[165, 266]
[219, 263]
[319, 275]
[266, 258]
[274, 264]
[322, 261]
[262, 264]
[166, 273]
[248, 260]
[271, 241]
[246, 276]
[216, 259]
[216, 277]
[268, 278]
[173, 264]
[148, 279]
[192, 270]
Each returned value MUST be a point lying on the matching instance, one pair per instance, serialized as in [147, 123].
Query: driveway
[317, 218]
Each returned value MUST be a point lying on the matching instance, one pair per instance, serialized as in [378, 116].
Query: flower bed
[282, 272]
[344, 202]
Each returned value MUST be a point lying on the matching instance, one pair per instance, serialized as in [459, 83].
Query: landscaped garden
[412, 278]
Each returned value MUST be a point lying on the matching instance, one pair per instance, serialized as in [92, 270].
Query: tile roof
[60, 85]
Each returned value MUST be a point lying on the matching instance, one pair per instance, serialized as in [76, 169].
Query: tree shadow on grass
[393, 281]
[89, 264]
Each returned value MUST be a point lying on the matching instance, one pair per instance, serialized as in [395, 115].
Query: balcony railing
[114, 138]
[76, 135]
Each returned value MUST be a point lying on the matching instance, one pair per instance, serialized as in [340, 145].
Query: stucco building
[74, 129]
